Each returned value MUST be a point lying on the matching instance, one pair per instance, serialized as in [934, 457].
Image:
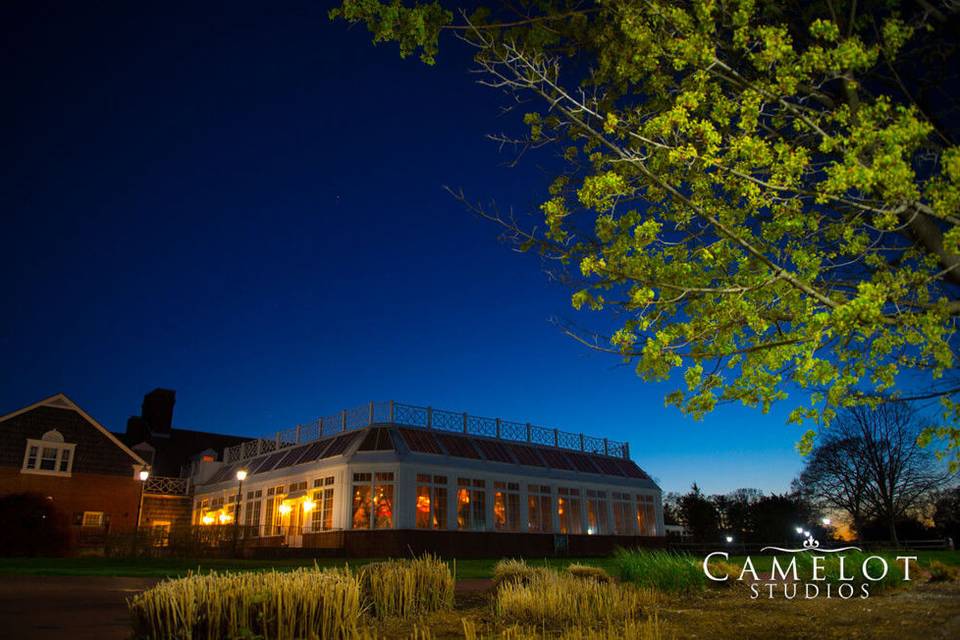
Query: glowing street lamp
[800, 531]
[143, 475]
[241, 476]
[729, 539]
[825, 521]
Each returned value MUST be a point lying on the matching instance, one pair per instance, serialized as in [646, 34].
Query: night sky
[243, 202]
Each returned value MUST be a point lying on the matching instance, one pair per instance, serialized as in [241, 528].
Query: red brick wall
[112, 494]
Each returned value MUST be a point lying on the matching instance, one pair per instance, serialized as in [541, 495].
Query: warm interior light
[144, 475]
[309, 505]
[423, 504]
[207, 519]
[284, 509]
[242, 475]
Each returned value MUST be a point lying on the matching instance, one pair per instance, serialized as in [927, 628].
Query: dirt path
[88, 608]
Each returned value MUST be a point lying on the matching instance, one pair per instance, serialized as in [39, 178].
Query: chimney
[157, 410]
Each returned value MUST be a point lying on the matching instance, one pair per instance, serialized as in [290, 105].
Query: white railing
[167, 486]
[408, 415]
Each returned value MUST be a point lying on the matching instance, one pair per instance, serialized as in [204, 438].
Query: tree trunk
[893, 530]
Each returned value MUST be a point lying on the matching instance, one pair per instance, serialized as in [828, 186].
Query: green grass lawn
[171, 567]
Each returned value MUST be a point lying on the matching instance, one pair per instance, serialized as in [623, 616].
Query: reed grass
[588, 572]
[661, 570]
[510, 571]
[305, 603]
[407, 588]
[559, 600]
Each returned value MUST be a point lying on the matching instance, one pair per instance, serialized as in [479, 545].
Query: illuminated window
[373, 500]
[646, 517]
[539, 510]
[92, 519]
[431, 501]
[48, 456]
[597, 512]
[160, 533]
[569, 510]
[322, 518]
[252, 516]
[506, 506]
[623, 521]
[471, 504]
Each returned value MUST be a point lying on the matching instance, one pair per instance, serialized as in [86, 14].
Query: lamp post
[143, 475]
[241, 476]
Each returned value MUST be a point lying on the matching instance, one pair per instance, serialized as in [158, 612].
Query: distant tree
[762, 194]
[736, 511]
[869, 463]
[775, 517]
[698, 515]
[835, 478]
[946, 513]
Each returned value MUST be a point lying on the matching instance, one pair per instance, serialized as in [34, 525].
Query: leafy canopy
[768, 192]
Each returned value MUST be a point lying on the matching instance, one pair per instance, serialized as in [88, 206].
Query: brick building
[56, 449]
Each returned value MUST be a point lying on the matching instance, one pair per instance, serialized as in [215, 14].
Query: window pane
[48, 461]
[439, 507]
[479, 499]
[423, 506]
[361, 506]
[328, 508]
[384, 506]
[65, 460]
[463, 508]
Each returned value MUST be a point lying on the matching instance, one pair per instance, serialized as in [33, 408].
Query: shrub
[514, 572]
[305, 603]
[588, 572]
[408, 587]
[558, 600]
[660, 570]
[940, 572]
[32, 526]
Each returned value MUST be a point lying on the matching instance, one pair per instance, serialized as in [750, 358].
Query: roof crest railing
[409, 415]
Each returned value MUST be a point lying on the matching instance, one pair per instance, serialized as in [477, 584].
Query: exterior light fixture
[729, 538]
[224, 518]
[284, 509]
[241, 475]
[309, 505]
[826, 522]
[806, 533]
[207, 519]
[144, 475]
[799, 530]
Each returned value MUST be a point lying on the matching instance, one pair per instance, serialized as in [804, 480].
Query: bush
[660, 570]
[558, 600]
[588, 572]
[515, 572]
[940, 572]
[32, 526]
[408, 587]
[305, 603]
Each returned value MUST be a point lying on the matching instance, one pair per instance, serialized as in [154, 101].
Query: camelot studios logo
[810, 572]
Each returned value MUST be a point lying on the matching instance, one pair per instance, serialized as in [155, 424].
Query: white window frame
[50, 440]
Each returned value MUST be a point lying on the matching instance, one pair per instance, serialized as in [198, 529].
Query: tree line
[868, 475]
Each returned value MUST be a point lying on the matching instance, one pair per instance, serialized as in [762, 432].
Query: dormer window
[48, 456]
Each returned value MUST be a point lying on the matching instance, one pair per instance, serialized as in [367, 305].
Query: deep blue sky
[243, 202]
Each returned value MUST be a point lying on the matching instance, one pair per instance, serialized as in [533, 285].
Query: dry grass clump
[305, 603]
[732, 569]
[515, 572]
[406, 588]
[940, 572]
[556, 600]
[588, 572]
